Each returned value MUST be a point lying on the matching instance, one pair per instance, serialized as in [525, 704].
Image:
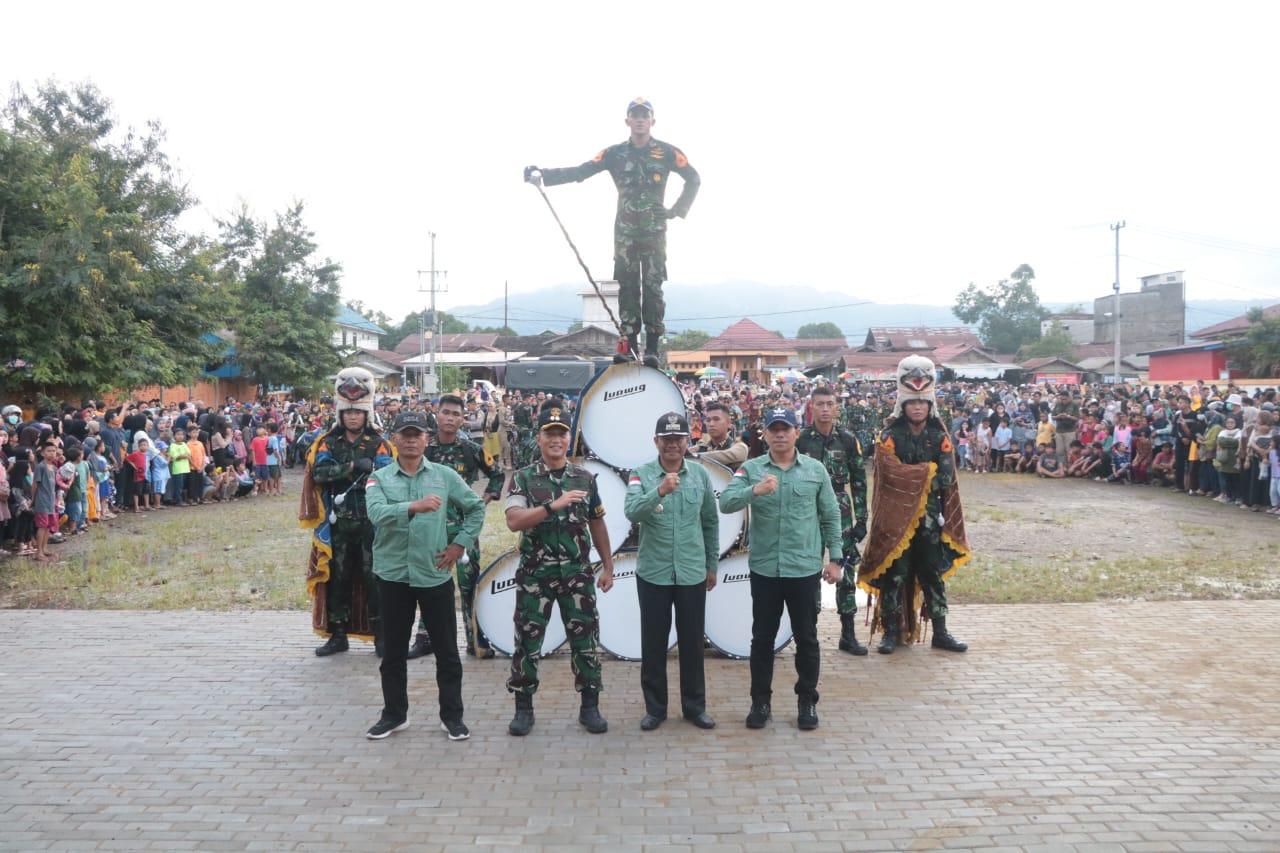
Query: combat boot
[337, 642]
[890, 640]
[522, 723]
[421, 646]
[848, 641]
[589, 715]
[943, 640]
[652, 350]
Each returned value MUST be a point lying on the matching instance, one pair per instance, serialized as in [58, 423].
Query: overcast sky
[894, 152]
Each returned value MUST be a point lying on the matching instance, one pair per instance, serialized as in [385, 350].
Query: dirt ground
[1034, 541]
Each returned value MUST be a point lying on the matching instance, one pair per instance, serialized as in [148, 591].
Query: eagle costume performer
[344, 598]
[917, 537]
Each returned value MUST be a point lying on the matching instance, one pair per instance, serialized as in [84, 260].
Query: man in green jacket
[413, 559]
[794, 515]
[675, 506]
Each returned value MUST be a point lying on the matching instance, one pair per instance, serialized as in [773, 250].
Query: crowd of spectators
[65, 472]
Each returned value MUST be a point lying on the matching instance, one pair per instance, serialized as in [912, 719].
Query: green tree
[1055, 342]
[1258, 352]
[688, 340]
[1008, 314]
[810, 331]
[288, 299]
[99, 287]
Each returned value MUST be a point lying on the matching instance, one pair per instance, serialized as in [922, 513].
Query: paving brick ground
[1068, 727]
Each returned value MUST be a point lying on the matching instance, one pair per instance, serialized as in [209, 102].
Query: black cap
[552, 416]
[410, 420]
[781, 415]
[672, 423]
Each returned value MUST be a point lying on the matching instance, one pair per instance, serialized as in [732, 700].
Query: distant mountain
[781, 308]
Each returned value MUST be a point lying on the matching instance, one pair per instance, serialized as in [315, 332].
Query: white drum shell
[728, 621]
[619, 610]
[495, 608]
[613, 495]
[732, 524]
[618, 410]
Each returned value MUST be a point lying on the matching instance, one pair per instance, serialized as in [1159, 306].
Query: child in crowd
[1075, 458]
[75, 500]
[962, 446]
[1027, 459]
[1044, 431]
[275, 457]
[179, 466]
[137, 464]
[258, 447]
[44, 501]
[1047, 465]
[158, 473]
[980, 447]
[1120, 460]
[1162, 466]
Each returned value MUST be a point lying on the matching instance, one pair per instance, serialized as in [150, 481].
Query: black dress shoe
[807, 720]
[701, 719]
[649, 722]
[760, 714]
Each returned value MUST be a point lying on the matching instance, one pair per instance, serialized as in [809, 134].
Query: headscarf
[238, 450]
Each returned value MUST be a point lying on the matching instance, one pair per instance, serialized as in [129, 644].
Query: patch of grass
[247, 555]
[1072, 578]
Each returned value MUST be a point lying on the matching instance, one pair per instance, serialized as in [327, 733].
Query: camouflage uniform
[351, 533]
[555, 568]
[857, 419]
[525, 451]
[640, 227]
[926, 556]
[841, 454]
[467, 458]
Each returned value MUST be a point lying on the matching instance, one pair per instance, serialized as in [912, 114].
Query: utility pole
[433, 286]
[1115, 376]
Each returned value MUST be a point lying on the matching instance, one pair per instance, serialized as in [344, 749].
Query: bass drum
[728, 621]
[618, 409]
[495, 608]
[613, 495]
[619, 610]
[733, 525]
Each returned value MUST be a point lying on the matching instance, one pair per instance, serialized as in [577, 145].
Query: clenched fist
[766, 486]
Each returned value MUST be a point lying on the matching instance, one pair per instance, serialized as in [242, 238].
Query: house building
[1078, 325]
[746, 349]
[387, 367]
[1153, 318]
[917, 338]
[593, 310]
[354, 331]
[1052, 369]
[1190, 362]
[1233, 329]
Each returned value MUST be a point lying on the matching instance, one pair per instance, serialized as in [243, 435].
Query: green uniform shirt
[679, 533]
[790, 527]
[404, 548]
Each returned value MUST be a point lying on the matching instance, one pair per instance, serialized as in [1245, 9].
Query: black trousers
[801, 596]
[690, 603]
[398, 602]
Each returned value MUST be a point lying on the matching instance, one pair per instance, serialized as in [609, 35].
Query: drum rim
[575, 428]
[740, 542]
[635, 554]
[479, 581]
[734, 655]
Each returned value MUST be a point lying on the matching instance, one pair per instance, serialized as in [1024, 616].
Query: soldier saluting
[841, 454]
[556, 508]
[640, 168]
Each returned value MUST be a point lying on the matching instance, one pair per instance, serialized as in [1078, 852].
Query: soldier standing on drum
[675, 505]
[839, 451]
[556, 508]
[640, 168]
[793, 518]
[464, 456]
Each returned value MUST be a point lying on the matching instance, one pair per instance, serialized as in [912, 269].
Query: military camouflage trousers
[574, 589]
[847, 586]
[640, 267]
[926, 560]
[352, 543]
[466, 575]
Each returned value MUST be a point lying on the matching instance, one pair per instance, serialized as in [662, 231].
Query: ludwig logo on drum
[623, 392]
[728, 578]
[499, 586]
[625, 573]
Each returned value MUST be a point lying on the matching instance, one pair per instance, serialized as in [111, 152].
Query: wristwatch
[547, 506]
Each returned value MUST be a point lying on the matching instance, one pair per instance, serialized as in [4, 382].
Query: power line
[1223, 243]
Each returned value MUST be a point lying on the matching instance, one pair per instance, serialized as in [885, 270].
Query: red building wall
[1181, 366]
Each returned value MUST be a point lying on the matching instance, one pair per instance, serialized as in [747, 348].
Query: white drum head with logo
[731, 523]
[618, 410]
[728, 622]
[613, 495]
[495, 608]
[619, 610]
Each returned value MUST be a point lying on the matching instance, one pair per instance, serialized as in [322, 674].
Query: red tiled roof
[1037, 363]
[385, 355]
[1228, 328]
[921, 337]
[750, 336]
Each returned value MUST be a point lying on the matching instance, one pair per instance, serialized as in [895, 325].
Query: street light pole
[1115, 376]
[434, 331]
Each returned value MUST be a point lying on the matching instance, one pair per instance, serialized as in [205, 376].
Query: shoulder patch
[681, 160]
[599, 157]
